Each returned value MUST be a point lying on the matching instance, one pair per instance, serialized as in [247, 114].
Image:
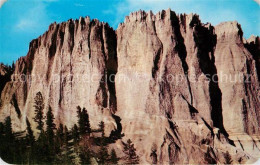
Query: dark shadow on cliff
[116, 134]
[206, 41]
[254, 49]
[111, 64]
[181, 48]
[16, 107]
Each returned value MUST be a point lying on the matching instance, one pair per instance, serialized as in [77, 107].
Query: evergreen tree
[8, 147]
[66, 136]
[113, 157]
[59, 136]
[80, 121]
[8, 129]
[42, 150]
[18, 148]
[64, 156]
[30, 142]
[75, 134]
[39, 106]
[85, 116]
[103, 156]
[50, 126]
[130, 152]
[29, 136]
[76, 155]
[228, 159]
[83, 121]
[85, 150]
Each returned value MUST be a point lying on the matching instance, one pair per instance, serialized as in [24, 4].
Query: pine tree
[103, 155]
[8, 147]
[66, 136]
[228, 159]
[42, 150]
[64, 156]
[113, 157]
[29, 136]
[50, 126]
[30, 142]
[85, 150]
[59, 136]
[76, 149]
[130, 152]
[83, 121]
[86, 121]
[39, 106]
[75, 134]
[8, 129]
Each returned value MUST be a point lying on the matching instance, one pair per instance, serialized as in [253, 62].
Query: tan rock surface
[61, 64]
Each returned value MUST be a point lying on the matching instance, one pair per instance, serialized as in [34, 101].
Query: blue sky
[23, 20]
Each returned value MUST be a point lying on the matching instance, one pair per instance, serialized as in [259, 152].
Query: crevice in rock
[111, 64]
[16, 107]
[254, 48]
[61, 84]
[53, 44]
[241, 145]
[173, 149]
[173, 152]
[193, 110]
[209, 127]
[165, 94]
[174, 127]
[156, 62]
[29, 58]
[206, 40]
[71, 33]
[52, 50]
[102, 95]
[181, 49]
[89, 34]
[245, 116]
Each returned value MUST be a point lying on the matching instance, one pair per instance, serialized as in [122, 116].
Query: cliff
[169, 81]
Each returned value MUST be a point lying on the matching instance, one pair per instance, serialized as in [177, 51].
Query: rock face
[68, 65]
[179, 86]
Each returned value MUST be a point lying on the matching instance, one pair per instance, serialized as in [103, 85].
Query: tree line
[60, 145]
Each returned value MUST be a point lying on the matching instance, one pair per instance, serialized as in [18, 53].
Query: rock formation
[168, 80]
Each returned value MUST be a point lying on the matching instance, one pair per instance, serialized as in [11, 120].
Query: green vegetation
[51, 145]
[39, 106]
